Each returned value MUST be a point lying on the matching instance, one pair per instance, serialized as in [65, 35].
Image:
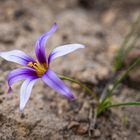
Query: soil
[101, 26]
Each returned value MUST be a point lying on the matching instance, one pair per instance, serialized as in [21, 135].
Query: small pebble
[73, 124]
[83, 128]
[97, 133]
[138, 132]
[114, 137]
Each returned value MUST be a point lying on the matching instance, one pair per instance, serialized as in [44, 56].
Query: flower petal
[40, 44]
[17, 56]
[20, 74]
[63, 50]
[52, 80]
[25, 92]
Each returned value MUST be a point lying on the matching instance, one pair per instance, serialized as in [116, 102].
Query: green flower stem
[101, 108]
[124, 104]
[107, 102]
[81, 84]
[119, 80]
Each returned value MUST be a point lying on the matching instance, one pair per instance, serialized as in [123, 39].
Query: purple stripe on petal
[17, 56]
[25, 92]
[40, 44]
[63, 50]
[52, 80]
[20, 74]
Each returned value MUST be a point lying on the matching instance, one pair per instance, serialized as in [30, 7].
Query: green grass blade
[124, 104]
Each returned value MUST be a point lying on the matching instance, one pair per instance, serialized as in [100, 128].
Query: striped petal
[40, 45]
[25, 92]
[20, 74]
[52, 80]
[17, 56]
[63, 50]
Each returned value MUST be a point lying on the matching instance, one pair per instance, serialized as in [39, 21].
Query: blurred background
[101, 25]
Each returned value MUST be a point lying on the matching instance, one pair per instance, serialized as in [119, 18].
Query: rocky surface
[98, 25]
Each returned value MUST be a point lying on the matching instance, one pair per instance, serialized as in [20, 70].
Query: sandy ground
[101, 26]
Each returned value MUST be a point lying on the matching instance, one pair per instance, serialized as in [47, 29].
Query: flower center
[40, 69]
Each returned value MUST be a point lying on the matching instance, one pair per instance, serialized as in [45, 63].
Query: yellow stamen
[40, 69]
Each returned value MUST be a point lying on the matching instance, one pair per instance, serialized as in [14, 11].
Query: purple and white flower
[40, 68]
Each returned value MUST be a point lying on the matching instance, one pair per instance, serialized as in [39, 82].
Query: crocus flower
[38, 68]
